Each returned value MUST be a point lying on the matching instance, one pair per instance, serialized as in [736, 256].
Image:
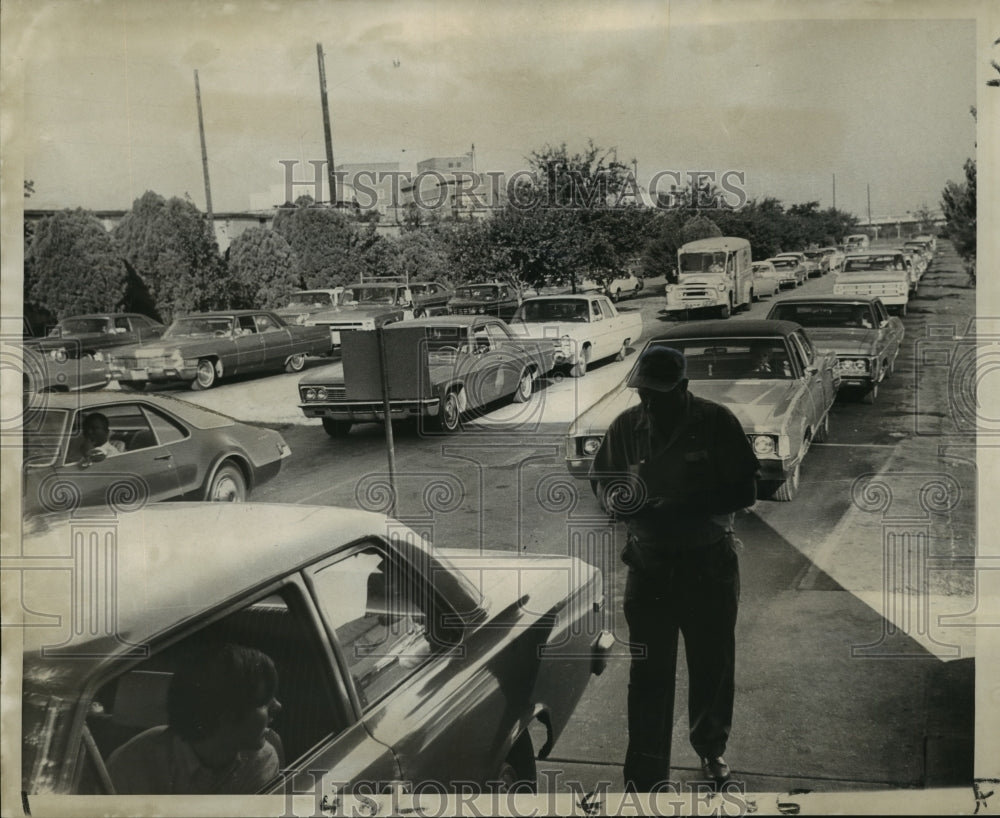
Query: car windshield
[762, 268]
[856, 316]
[200, 326]
[79, 326]
[715, 359]
[42, 437]
[703, 262]
[445, 342]
[863, 263]
[568, 309]
[370, 295]
[318, 298]
[479, 293]
[813, 254]
[780, 263]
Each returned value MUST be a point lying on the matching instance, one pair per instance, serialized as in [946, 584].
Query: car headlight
[320, 393]
[310, 394]
[590, 445]
[301, 318]
[763, 444]
[566, 345]
[722, 286]
[368, 324]
[857, 366]
[480, 310]
[176, 358]
[58, 355]
[98, 356]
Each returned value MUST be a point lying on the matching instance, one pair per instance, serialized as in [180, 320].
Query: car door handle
[167, 456]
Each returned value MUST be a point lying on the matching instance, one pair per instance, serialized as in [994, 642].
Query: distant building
[450, 186]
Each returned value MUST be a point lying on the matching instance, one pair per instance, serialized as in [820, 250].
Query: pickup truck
[437, 368]
[377, 302]
[587, 326]
[880, 273]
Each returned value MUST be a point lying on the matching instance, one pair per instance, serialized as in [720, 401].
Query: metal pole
[835, 191]
[204, 158]
[390, 444]
[869, 204]
[327, 137]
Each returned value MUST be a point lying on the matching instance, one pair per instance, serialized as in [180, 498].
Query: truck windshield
[705, 262]
[570, 309]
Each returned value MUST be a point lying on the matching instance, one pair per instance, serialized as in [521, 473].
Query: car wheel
[635, 292]
[228, 485]
[870, 396]
[525, 387]
[823, 430]
[725, 311]
[450, 413]
[336, 428]
[205, 375]
[579, 369]
[623, 351]
[902, 310]
[296, 363]
[753, 297]
[617, 296]
[787, 490]
[517, 772]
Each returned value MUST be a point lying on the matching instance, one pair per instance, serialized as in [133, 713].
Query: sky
[106, 89]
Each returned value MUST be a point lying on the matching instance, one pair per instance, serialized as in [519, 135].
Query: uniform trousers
[694, 593]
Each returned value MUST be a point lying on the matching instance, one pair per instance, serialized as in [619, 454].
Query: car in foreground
[766, 279]
[791, 273]
[169, 449]
[398, 662]
[488, 298]
[588, 327]
[859, 331]
[205, 347]
[881, 273]
[87, 334]
[436, 368]
[303, 304]
[767, 372]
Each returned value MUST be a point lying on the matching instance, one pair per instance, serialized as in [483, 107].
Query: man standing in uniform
[675, 468]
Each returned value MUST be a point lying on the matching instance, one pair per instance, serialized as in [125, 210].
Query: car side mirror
[883, 323]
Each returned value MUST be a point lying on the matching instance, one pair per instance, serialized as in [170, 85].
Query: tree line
[162, 258]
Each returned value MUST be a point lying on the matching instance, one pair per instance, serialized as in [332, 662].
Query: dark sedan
[489, 298]
[160, 448]
[205, 347]
[396, 663]
[858, 330]
[87, 334]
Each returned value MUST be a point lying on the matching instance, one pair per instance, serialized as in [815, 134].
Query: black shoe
[716, 770]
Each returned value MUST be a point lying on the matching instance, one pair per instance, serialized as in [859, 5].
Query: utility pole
[204, 158]
[835, 191]
[328, 139]
[869, 204]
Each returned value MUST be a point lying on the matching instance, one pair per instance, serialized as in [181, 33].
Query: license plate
[137, 374]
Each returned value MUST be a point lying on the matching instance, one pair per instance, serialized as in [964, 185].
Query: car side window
[481, 340]
[166, 429]
[128, 430]
[246, 325]
[497, 334]
[596, 312]
[880, 312]
[265, 324]
[378, 611]
[122, 323]
[131, 737]
[799, 352]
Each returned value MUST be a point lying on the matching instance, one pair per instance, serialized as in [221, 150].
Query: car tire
[228, 485]
[871, 395]
[787, 489]
[579, 369]
[725, 311]
[617, 296]
[753, 298]
[449, 417]
[902, 310]
[205, 375]
[336, 428]
[518, 772]
[623, 351]
[823, 430]
[296, 363]
[525, 387]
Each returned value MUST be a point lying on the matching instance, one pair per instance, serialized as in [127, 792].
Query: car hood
[760, 405]
[477, 302]
[324, 375]
[354, 312]
[843, 339]
[551, 330]
[872, 277]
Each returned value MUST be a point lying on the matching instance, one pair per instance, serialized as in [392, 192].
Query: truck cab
[712, 274]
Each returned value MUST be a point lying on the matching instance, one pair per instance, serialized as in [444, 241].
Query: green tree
[330, 248]
[263, 269]
[699, 227]
[422, 255]
[72, 266]
[589, 180]
[958, 203]
[172, 250]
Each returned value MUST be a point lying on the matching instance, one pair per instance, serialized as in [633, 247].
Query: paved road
[847, 678]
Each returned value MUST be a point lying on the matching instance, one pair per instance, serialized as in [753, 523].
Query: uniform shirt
[706, 449]
[158, 761]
